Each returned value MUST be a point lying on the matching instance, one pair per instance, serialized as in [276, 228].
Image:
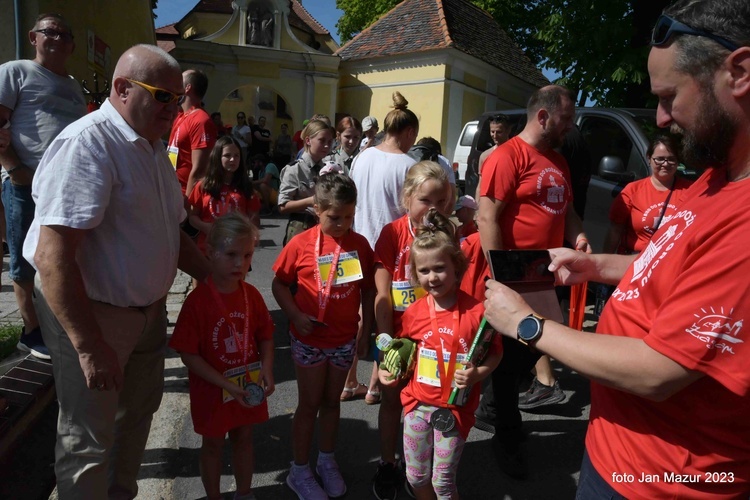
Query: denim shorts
[19, 212]
[305, 355]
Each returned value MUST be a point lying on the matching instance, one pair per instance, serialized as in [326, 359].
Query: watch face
[529, 328]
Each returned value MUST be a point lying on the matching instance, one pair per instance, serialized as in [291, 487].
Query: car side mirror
[613, 169]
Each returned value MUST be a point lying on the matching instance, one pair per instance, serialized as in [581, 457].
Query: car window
[469, 131]
[606, 137]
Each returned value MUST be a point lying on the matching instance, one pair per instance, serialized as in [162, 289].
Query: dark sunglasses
[161, 95]
[666, 27]
[55, 35]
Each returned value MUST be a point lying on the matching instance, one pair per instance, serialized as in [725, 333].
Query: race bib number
[349, 269]
[237, 376]
[404, 294]
[172, 153]
[427, 368]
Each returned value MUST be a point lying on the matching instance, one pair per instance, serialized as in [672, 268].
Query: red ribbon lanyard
[244, 346]
[325, 294]
[445, 378]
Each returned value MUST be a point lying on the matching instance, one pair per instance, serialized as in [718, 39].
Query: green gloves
[398, 357]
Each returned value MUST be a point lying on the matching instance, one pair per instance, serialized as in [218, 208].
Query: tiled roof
[165, 37]
[298, 16]
[168, 30]
[425, 25]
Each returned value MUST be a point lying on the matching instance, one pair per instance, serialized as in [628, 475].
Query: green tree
[598, 47]
[359, 14]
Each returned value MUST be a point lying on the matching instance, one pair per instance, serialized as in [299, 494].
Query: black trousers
[500, 398]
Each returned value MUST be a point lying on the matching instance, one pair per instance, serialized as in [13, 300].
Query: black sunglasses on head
[666, 27]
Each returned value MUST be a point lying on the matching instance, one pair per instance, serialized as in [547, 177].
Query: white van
[461, 153]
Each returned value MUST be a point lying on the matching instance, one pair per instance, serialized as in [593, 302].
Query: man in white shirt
[103, 276]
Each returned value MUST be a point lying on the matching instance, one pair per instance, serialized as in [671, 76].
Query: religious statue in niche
[260, 24]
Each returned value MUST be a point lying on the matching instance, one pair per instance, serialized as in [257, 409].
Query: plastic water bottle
[383, 341]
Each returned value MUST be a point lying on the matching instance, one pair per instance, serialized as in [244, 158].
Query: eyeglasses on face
[661, 160]
[55, 35]
[666, 27]
[160, 95]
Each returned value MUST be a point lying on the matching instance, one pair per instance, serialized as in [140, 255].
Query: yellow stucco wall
[473, 106]
[370, 93]
[104, 18]
[203, 24]
[474, 81]
[427, 100]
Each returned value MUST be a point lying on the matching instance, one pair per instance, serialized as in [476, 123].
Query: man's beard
[708, 143]
[552, 139]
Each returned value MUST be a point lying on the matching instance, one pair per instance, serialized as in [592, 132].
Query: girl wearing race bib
[442, 324]
[426, 186]
[332, 266]
[224, 335]
[225, 188]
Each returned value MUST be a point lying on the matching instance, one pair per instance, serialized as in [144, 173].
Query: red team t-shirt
[202, 328]
[424, 386]
[638, 208]
[191, 130]
[209, 208]
[473, 281]
[535, 187]
[297, 263]
[687, 296]
[392, 252]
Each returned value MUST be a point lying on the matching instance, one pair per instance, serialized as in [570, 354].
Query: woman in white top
[379, 171]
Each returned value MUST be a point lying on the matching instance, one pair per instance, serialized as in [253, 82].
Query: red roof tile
[299, 15]
[424, 25]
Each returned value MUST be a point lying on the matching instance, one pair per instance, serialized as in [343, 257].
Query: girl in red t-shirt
[224, 335]
[426, 186]
[443, 325]
[332, 266]
[225, 188]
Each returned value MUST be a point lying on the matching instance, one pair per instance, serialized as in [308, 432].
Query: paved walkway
[170, 464]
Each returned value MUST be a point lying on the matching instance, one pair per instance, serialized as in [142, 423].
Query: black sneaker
[509, 459]
[540, 395]
[484, 422]
[386, 481]
[33, 343]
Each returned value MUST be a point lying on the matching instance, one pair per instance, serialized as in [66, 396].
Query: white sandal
[349, 393]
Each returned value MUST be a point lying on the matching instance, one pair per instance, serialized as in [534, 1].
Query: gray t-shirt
[43, 103]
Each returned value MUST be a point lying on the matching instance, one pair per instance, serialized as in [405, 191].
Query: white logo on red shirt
[551, 194]
[658, 248]
[718, 330]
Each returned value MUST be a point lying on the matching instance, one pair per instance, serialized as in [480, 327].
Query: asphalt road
[170, 464]
[554, 448]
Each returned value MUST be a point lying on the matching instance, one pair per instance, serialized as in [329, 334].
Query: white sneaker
[329, 473]
[303, 483]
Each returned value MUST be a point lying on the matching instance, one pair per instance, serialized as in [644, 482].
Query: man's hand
[504, 308]
[571, 266]
[101, 367]
[4, 139]
[22, 176]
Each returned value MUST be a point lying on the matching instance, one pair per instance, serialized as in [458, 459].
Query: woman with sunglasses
[644, 205]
